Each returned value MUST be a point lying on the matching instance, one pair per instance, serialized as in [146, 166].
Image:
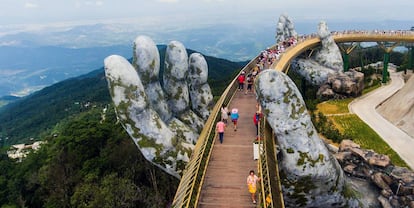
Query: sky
[185, 12]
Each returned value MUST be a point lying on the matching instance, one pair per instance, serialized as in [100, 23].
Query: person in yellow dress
[252, 180]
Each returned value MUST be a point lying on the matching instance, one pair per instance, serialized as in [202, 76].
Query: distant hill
[28, 117]
[25, 70]
[7, 99]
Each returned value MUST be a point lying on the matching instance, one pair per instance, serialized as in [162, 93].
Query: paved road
[365, 108]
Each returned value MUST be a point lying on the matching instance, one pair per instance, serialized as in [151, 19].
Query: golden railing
[271, 191]
[189, 189]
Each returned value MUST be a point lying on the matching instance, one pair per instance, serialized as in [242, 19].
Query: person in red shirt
[240, 80]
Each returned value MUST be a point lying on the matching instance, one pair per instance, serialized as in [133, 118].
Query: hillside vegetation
[88, 162]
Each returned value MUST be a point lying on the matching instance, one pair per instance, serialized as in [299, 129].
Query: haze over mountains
[35, 57]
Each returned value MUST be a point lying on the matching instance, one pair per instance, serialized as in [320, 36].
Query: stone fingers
[146, 60]
[158, 118]
[156, 141]
[200, 92]
[176, 86]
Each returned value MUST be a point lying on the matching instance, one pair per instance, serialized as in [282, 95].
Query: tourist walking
[249, 83]
[256, 121]
[220, 127]
[240, 80]
[252, 180]
[224, 113]
[234, 117]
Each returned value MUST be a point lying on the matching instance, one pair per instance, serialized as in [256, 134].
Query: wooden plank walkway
[230, 163]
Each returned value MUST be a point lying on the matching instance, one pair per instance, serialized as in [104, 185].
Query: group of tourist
[245, 84]
[270, 55]
[252, 179]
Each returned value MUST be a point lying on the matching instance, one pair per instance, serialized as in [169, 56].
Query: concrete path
[365, 108]
[225, 181]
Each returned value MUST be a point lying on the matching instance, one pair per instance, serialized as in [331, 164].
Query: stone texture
[341, 85]
[174, 77]
[329, 54]
[146, 60]
[285, 28]
[313, 178]
[160, 121]
[395, 184]
[200, 92]
[324, 69]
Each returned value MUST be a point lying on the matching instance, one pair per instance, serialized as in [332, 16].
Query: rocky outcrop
[396, 184]
[160, 121]
[340, 85]
[311, 177]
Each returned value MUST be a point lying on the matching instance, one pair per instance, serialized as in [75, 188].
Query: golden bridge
[216, 173]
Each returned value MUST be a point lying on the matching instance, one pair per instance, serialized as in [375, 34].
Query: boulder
[378, 180]
[396, 184]
[342, 85]
[347, 144]
[384, 202]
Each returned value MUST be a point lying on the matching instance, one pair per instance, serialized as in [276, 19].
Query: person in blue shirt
[234, 117]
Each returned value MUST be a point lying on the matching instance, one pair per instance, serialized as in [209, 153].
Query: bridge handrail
[188, 191]
[271, 190]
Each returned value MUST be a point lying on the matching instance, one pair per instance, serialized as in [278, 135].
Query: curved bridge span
[309, 42]
[216, 173]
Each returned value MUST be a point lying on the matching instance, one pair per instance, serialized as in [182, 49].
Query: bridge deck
[230, 163]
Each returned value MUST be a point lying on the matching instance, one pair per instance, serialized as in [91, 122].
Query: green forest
[88, 161]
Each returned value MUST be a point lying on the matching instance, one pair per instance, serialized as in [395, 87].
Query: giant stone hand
[305, 161]
[159, 118]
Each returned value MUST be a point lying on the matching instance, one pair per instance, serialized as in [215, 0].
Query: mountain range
[25, 119]
[32, 58]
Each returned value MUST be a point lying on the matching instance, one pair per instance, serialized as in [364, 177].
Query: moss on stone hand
[177, 95]
[305, 158]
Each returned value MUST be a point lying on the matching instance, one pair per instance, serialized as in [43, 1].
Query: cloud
[30, 5]
[213, 1]
[168, 1]
[10, 43]
[88, 3]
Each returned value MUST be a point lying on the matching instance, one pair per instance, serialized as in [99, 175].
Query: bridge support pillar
[346, 49]
[385, 69]
[385, 74]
